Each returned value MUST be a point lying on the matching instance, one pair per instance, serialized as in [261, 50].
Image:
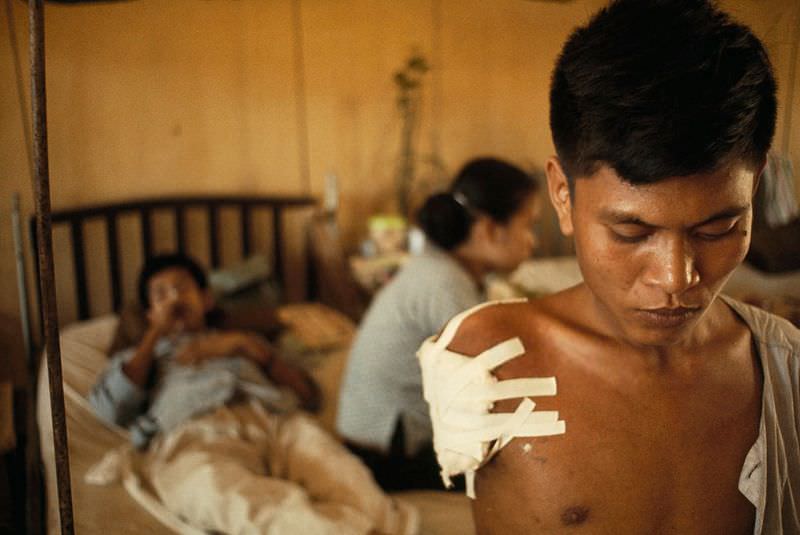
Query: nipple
[575, 515]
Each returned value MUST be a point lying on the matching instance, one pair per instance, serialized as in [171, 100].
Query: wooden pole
[45, 259]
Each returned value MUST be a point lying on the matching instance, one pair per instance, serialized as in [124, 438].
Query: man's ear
[560, 198]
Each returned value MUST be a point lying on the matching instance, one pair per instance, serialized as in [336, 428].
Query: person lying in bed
[642, 400]
[214, 412]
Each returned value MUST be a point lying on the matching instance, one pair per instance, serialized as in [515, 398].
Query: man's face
[176, 298]
[655, 256]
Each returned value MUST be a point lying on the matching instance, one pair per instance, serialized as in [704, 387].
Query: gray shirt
[382, 381]
[770, 477]
[178, 392]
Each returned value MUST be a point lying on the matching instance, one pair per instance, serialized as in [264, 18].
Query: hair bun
[444, 221]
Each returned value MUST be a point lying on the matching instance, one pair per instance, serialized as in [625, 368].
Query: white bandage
[461, 392]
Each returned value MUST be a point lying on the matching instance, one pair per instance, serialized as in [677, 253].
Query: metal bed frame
[144, 210]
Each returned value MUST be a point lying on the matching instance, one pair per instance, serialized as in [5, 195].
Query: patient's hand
[238, 343]
[224, 344]
[166, 318]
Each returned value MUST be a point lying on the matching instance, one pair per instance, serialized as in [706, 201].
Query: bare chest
[645, 457]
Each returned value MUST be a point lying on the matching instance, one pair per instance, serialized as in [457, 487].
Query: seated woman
[484, 223]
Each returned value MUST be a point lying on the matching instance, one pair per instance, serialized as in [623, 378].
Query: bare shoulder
[497, 322]
[489, 325]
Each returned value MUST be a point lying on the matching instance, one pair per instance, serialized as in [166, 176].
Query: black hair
[487, 186]
[660, 88]
[159, 263]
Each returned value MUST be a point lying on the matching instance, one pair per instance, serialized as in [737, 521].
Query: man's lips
[668, 316]
[671, 311]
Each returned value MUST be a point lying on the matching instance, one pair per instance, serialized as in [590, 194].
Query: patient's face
[655, 256]
[176, 298]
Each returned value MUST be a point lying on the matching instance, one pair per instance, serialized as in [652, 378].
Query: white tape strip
[461, 391]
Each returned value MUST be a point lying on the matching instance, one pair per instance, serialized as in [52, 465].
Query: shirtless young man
[678, 411]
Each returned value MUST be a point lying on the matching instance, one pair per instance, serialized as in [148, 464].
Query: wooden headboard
[144, 211]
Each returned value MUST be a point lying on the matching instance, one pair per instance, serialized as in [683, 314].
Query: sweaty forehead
[683, 200]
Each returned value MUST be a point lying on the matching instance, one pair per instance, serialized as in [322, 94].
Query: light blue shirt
[178, 392]
[382, 381]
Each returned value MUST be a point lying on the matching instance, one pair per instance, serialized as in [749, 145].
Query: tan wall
[150, 97]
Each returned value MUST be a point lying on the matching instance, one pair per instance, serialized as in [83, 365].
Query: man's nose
[673, 267]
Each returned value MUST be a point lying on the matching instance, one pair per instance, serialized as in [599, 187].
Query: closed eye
[717, 229]
[629, 232]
